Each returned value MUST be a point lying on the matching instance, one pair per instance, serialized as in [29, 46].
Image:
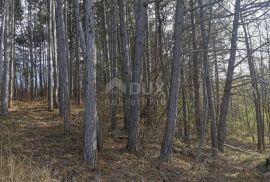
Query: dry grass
[33, 148]
[15, 169]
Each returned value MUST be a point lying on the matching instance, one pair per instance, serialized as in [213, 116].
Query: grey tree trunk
[125, 58]
[12, 58]
[81, 42]
[105, 40]
[211, 109]
[41, 73]
[166, 147]
[184, 108]
[90, 115]
[148, 110]
[200, 126]
[79, 28]
[31, 51]
[55, 61]
[224, 106]
[7, 53]
[158, 45]
[50, 56]
[217, 81]
[133, 137]
[36, 75]
[2, 39]
[256, 94]
[63, 65]
[114, 99]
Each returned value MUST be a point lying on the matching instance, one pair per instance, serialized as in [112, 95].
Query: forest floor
[34, 148]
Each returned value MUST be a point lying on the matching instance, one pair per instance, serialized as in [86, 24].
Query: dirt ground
[34, 148]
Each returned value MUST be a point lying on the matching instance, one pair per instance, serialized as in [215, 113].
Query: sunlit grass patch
[19, 168]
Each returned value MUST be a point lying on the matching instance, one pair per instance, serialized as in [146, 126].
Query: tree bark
[55, 61]
[31, 51]
[2, 40]
[166, 147]
[211, 109]
[114, 99]
[200, 126]
[125, 58]
[90, 115]
[50, 56]
[7, 53]
[224, 106]
[12, 58]
[256, 94]
[133, 137]
[63, 65]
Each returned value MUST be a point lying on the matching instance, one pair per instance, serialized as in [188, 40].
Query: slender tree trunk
[41, 73]
[256, 94]
[55, 61]
[216, 80]
[167, 144]
[78, 70]
[211, 110]
[133, 137]
[7, 43]
[196, 70]
[31, 51]
[224, 106]
[79, 28]
[125, 58]
[12, 58]
[159, 48]
[90, 115]
[114, 99]
[2, 40]
[50, 57]
[147, 68]
[36, 74]
[184, 108]
[63, 67]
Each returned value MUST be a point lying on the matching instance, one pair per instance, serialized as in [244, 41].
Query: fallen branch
[241, 150]
[184, 152]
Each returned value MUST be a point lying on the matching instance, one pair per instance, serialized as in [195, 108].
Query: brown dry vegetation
[34, 148]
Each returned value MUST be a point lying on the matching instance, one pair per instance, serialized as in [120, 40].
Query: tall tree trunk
[166, 147]
[114, 99]
[159, 48]
[41, 73]
[224, 106]
[105, 41]
[256, 93]
[63, 65]
[81, 42]
[7, 43]
[133, 137]
[147, 70]
[2, 40]
[31, 51]
[125, 58]
[184, 108]
[71, 47]
[211, 110]
[90, 115]
[12, 58]
[50, 56]
[36, 74]
[196, 71]
[216, 80]
[55, 61]
[79, 28]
